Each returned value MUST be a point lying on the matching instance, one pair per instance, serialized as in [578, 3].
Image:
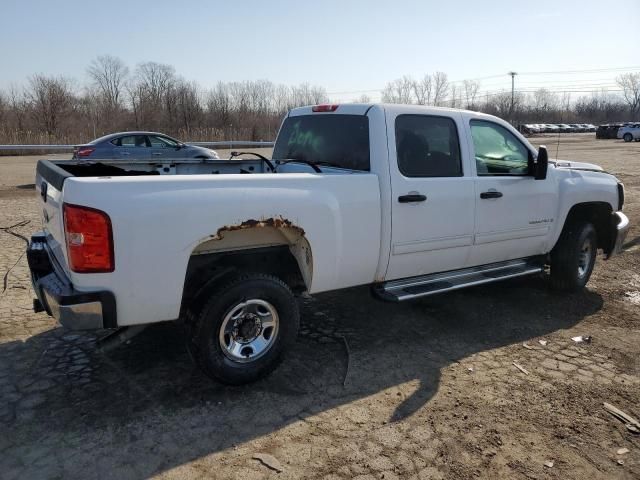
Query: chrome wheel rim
[249, 330]
[584, 258]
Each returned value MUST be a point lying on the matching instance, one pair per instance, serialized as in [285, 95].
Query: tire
[627, 137]
[240, 332]
[573, 257]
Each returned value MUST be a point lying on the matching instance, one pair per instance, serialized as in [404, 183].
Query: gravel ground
[426, 389]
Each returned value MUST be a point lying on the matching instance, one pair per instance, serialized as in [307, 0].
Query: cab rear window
[337, 140]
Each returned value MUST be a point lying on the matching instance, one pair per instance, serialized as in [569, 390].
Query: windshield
[337, 140]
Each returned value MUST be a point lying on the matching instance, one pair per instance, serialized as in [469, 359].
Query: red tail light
[85, 151]
[89, 239]
[324, 108]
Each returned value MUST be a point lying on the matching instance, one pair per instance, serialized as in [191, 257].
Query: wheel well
[204, 271]
[598, 214]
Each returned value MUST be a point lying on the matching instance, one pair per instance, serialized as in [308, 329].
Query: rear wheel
[241, 331]
[574, 256]
[627, 137]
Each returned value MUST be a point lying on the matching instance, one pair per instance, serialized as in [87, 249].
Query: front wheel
[574, 256]
[240, 333]
[627, 137]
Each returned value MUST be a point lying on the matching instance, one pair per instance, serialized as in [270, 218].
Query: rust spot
[277, 222]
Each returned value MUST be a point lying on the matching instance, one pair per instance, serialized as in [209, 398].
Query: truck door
[514, 212]
[432, 194]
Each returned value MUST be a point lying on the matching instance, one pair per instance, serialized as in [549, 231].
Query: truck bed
[118, 168]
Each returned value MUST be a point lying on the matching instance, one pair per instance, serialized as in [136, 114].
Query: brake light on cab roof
[324, 108]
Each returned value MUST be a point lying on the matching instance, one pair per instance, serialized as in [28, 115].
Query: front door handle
[412, 197]
[156, 154]
[491, 194]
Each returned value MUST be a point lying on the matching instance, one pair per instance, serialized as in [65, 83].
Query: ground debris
[521, 368]
[622, 451]
[548, 464]
[543, 342]
[527, 346]
[631, 423]
[582, 338]
[269, 461]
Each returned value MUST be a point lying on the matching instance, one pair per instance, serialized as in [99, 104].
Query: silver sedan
[139, 146]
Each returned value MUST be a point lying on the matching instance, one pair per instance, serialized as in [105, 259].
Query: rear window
[337, 140]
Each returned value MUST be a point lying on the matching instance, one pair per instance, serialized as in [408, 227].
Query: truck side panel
[158, 222]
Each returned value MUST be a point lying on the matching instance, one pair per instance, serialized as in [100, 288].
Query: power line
[594, 70]
[502, 75]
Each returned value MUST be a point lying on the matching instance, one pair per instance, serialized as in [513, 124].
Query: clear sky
[342, 45]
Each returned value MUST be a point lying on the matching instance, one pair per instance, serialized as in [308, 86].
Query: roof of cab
[363, 108]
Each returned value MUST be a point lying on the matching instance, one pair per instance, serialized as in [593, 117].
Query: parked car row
[531, 128]
[618, 130]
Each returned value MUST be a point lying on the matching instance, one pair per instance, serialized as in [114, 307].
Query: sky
[347, 47]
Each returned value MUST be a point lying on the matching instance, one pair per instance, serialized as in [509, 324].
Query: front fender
[577, 187]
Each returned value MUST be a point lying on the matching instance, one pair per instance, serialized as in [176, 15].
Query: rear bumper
[74, 310]
[619, 232]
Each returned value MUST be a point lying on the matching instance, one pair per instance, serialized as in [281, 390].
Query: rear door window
[133, 141]
[427, 146]
[337, 140]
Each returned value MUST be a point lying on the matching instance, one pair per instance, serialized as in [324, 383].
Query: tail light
[85, 151]
[89, 239]
[324, 108]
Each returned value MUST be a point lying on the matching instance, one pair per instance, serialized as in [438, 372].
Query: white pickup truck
[410, 200]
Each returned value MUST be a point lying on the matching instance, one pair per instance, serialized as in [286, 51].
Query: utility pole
[513, 77]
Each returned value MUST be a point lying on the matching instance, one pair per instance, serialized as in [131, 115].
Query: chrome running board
[416, 287]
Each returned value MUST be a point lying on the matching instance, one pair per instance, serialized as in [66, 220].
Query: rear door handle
[412, 197]
[491, 194]
[155, 154]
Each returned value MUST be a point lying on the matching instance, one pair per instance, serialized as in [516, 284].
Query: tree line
[53, 109]
[540, 106]
[152, 96]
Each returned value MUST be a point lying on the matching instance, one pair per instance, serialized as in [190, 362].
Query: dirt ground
[426, 389]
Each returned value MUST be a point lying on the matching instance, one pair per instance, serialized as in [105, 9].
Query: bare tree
[151, 91]
[109, 74]
[189, 107]
[4, 108]
[630, 84]
[440, 87]
[363, 99]
[18, 106]
[600, 107]
[50, 99]
[544, 101]
[155, 78]
[455, 96]
[471, 88]
[422, 90]
[399, 91]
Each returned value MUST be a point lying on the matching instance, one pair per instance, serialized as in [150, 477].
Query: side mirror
[541, 164]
